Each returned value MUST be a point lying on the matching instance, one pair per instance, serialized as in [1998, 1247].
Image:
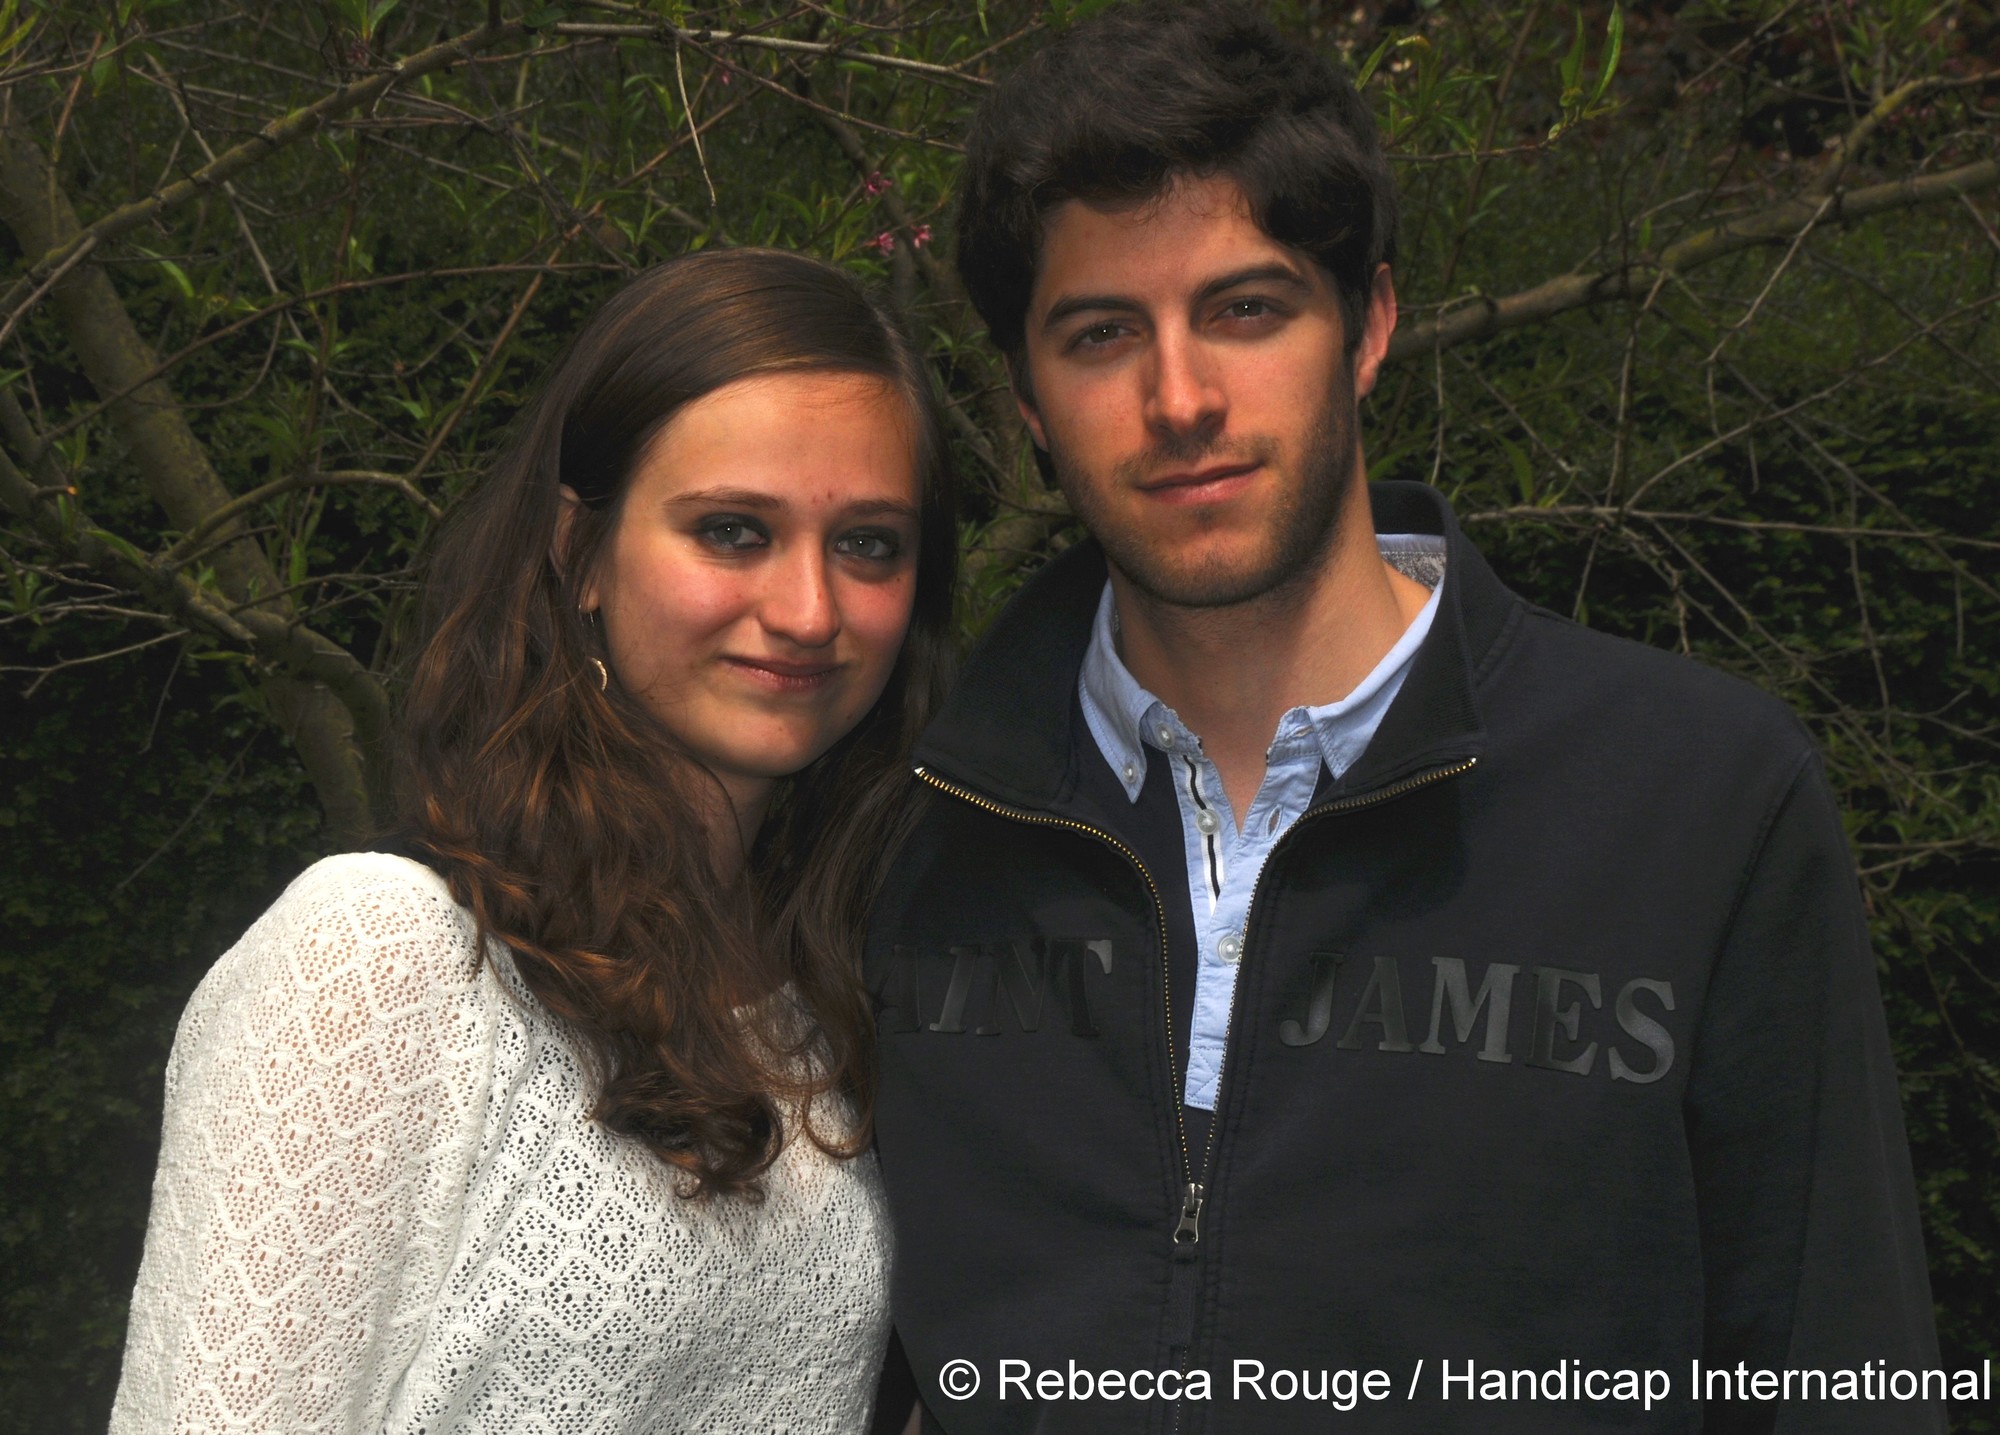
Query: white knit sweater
[382, 1206]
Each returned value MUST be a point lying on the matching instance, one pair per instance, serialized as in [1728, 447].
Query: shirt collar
[1115, 708]
[1122, 716]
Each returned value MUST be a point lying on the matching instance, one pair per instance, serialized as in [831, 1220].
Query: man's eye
[1248, 309]
[731, 535]
[1097, 336]
[871, 544]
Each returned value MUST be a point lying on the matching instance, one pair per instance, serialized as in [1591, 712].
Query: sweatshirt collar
[1006, 729]
[1120, 713]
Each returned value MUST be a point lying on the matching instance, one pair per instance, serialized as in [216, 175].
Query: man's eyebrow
[1274, 273]
[1088, 303]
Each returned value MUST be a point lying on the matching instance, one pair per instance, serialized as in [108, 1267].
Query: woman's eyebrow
[774, 503]
[732, 498]
[884, 507]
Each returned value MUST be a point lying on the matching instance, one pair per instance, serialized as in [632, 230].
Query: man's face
[1188, 377]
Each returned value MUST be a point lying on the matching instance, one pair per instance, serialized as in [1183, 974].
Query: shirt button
[1166, 736]
[1230, 948]
[1207, 822]
[1131, 772]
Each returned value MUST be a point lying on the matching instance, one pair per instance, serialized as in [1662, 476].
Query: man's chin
[1212, 580]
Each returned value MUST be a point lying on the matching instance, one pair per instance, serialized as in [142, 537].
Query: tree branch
[285, 130]
[664, 30]
[338, 724]
[1479, 318]
[1840, 153]
[278, 487]
[67, 529]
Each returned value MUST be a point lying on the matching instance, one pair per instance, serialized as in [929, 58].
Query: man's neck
[1231, 673]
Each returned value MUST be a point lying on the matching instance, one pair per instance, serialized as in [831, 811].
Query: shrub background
[1698, 336]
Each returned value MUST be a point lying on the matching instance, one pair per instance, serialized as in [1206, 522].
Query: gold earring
[603, 675]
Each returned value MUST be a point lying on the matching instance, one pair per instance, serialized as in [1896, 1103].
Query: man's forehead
[1161, 247]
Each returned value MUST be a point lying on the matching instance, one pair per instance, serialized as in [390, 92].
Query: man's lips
[1202, 485]
[783, 676]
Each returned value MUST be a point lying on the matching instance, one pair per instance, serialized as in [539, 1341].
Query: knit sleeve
[325, 1101]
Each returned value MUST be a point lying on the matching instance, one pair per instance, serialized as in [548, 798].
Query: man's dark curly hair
[1123, 104]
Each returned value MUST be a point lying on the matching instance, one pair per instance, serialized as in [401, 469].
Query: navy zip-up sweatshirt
[1556, 1049]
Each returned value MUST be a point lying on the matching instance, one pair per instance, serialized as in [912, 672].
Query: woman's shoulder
[375, 902]
[361, 930]
[396, 885]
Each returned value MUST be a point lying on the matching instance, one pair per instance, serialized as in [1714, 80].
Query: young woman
[561, 1126]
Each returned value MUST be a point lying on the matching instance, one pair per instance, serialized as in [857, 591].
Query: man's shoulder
[1627, 687]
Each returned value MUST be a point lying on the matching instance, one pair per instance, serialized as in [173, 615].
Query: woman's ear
[560, 548]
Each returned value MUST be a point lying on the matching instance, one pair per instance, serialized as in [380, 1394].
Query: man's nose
[799, 604]
[1186, 401]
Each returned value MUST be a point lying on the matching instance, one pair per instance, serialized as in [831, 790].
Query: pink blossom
[921, 237]
[877, 183]
[883, 243]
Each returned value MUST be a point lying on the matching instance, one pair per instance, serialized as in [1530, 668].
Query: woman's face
[756, 585]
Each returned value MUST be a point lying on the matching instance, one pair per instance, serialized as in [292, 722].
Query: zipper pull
[1188, 1232]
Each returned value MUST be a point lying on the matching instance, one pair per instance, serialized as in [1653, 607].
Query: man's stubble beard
[1299, 531]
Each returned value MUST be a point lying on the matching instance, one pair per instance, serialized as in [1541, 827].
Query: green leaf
[1614, 46]
[19, 33]
[122, 547]
[1572, 63]
[1524, 472]
[23, 586]
[179, 276]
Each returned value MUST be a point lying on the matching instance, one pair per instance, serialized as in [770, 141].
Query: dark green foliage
[1778, 460]
[138, 838]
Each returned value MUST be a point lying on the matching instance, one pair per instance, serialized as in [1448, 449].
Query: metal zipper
[1194, 1193]
[1197, 1190]
[1191, 1195]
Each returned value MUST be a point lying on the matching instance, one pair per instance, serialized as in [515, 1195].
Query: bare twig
[1839, 154]
[278, 487]
[1779, 223]
[276, 135]
[665, 31]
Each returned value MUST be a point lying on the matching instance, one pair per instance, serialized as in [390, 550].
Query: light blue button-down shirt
[1222, 860]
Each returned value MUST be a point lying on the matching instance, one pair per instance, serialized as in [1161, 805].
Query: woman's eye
[870, 544]
[731, 534]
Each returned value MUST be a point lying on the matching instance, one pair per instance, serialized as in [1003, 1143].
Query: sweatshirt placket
[1223, 861]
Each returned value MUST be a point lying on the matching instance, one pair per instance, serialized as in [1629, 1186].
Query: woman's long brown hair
[569, 820]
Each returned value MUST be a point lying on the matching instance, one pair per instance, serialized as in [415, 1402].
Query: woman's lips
[778, 675]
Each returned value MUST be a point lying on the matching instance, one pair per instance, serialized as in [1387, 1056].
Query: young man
[1320, 981]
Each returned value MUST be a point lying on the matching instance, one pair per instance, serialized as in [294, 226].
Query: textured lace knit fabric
[382, 1206]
